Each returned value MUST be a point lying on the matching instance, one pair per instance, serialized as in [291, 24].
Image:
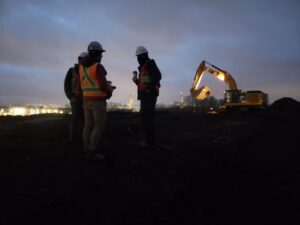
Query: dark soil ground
[238, 168]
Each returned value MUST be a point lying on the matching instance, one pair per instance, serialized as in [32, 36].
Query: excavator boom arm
[204, 91]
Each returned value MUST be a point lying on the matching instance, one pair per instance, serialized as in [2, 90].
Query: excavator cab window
[232, 96]
[242, 96]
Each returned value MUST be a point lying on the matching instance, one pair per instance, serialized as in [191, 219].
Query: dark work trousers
[147, 112]
[76, 125]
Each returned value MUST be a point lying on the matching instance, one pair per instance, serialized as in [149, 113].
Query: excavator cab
[233, 96]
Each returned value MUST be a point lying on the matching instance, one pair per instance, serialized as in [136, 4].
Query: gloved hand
[134, 77]
[108, 95]
[110, 86]
[111, 89]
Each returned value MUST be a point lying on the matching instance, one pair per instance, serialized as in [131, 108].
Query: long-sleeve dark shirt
[71, 82]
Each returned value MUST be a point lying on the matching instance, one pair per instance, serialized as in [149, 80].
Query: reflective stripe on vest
[90, 86]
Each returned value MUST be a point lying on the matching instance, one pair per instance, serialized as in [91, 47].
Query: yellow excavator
[233, 97]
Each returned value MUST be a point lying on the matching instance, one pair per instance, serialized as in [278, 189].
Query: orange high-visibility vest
[144, 78]
[90, 86]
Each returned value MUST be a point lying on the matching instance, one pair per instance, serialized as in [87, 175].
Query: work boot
[144, 144]
[93, 156]
[148, 146]
[69, 140]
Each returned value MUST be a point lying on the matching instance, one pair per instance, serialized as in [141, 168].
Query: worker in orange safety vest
[95, 91]
[148, 84]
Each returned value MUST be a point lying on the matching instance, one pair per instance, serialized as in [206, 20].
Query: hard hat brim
[142, 54]
[96, 50]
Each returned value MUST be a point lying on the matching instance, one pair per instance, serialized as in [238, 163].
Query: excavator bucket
[201, 94]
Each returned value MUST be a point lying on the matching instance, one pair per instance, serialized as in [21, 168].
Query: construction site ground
[237, 168]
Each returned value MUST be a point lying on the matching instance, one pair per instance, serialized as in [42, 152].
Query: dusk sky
[257, 41]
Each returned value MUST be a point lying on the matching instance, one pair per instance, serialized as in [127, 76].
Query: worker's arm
[154, 72]
[78, 89]
[101, 76]
[68, 83]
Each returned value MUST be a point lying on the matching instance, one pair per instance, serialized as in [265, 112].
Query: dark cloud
[257, 41]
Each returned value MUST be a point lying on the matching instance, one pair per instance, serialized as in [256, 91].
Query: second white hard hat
[140, 50]
[95, 46]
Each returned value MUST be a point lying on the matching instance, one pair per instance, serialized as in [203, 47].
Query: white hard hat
[83, 55]
[140, 50]
[95, 46]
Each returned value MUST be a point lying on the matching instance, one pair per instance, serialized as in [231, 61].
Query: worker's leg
[88, 125]
[77, 119]
[99, 114]
[148, 119]
[72, 129]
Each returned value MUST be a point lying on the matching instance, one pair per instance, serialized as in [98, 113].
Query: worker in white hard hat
[73, 93]
[148, 84]
[95, 90]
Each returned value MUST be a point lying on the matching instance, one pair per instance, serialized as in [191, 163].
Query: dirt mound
[286, 105]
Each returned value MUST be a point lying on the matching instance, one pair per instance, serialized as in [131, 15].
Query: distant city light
[31, 110]
[28, 110]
